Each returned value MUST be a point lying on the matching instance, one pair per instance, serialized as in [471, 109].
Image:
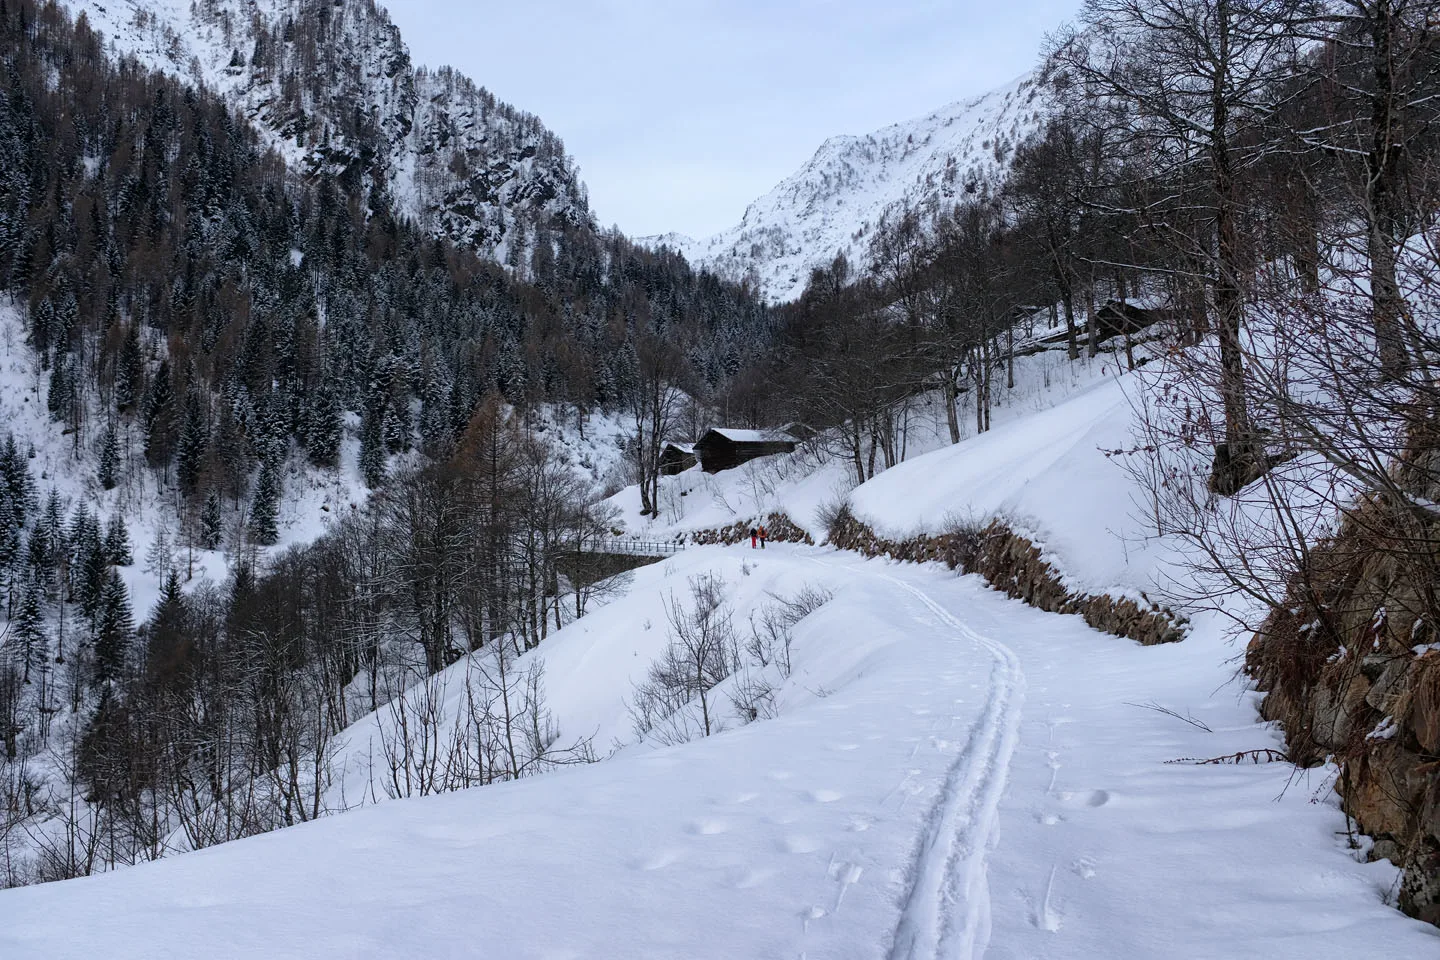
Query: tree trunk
[1092, 332]
[1010, 358]
[1238, 462]
[1383, 174]
[952, 416]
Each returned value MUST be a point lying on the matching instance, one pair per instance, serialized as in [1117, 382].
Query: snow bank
[1047, 474]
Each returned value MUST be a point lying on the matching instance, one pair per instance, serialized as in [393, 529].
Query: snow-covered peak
[835, 201]
[332, 87]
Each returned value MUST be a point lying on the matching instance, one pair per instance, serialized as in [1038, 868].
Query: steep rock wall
[1351, 672]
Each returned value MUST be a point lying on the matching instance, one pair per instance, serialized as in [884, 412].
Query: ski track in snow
[946, 911]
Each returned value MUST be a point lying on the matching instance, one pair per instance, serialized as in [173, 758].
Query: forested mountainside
[837, 201]
[331, 87]
[210, 323]
[174, 268]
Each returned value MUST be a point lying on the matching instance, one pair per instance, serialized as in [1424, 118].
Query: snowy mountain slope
[333, 89]
[834, 203]
[868, 821]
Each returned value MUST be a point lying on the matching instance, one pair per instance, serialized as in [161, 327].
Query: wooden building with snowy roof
[676, 457]
[724, 448]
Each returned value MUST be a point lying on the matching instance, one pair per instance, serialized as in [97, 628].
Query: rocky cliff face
[1351, 670]
[331, 86]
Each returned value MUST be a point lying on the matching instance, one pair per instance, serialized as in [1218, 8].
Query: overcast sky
[680, 112]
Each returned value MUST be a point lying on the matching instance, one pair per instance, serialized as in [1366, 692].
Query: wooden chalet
[724, 448]
[1119, 317]
[676, 458]
[796, 430]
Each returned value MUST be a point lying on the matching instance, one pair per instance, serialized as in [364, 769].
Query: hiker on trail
[752, 538]
[763, 535]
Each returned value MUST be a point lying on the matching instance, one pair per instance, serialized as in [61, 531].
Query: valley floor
[980, 781]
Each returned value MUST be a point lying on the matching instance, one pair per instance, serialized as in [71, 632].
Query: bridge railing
[635, 548]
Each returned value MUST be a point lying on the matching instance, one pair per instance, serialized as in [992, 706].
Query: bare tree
[1173, 82]
[702, 652]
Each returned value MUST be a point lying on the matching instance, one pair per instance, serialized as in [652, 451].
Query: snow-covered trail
[801, 836]
[868, 822]
[946, 912]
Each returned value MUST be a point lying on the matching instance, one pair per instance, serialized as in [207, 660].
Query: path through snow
[871, 820]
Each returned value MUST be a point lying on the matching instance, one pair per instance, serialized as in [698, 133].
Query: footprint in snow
[809, 916]
[846, 875]
[708, 828]
[825, 796]
[753, 878]
[799, 844]
[658, 860]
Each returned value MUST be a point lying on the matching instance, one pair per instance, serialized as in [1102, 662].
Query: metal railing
[634, 548]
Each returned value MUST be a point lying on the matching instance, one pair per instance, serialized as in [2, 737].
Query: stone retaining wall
[778, 527]
[1014, 565]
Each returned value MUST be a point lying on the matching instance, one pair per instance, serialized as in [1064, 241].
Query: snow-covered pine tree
[94, 569]
[435, 435]
[114, 629]
[160, 419]
[165, 631]
[231, 453]
[129, 370]
[323, 429]
[39, 559]
[19, 487]
[28, 628]
[211, 523]
[395, 431]
[109, 459]
[372, 451]
[84, 530]
[60, 400]
[52, 523]
[10, 548]
[265, 507]
[194, 441]
[117, 543]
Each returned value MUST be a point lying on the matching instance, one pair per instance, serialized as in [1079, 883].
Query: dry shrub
[835, 515]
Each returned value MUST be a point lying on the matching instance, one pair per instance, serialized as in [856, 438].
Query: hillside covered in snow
[913, 765]
[837, 200]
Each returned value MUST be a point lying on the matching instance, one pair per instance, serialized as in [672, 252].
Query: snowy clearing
[867, 821]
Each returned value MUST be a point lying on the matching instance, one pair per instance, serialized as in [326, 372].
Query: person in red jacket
[763, 535]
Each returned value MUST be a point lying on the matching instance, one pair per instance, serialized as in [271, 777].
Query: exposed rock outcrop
[1352, 675]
